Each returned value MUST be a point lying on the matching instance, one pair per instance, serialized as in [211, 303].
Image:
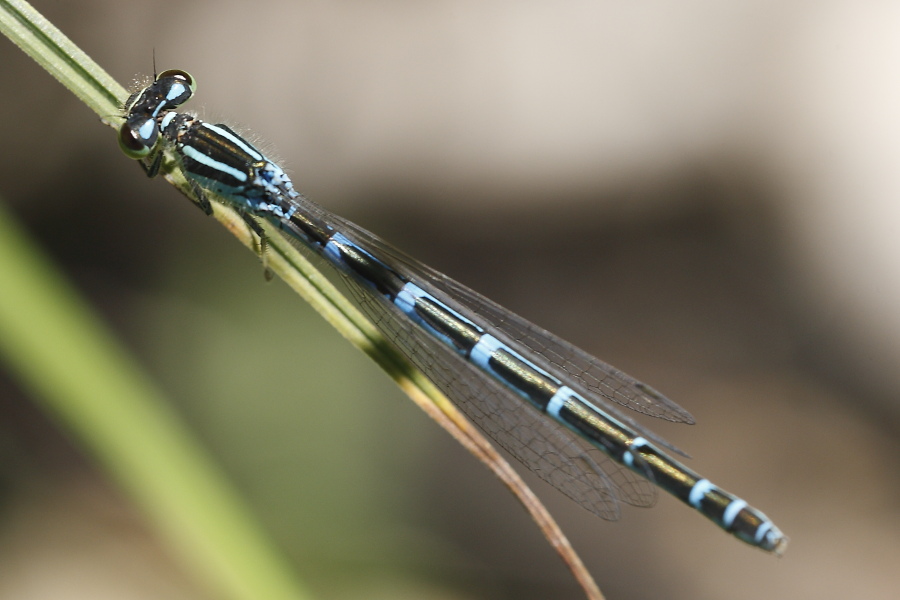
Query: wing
[600, 383]
[552, 452]
[597, 378]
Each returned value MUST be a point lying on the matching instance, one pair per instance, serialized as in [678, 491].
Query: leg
[152, 170]
[263, 247]
[200, 200]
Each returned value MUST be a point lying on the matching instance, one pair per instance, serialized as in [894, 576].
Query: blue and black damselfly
[551, 405]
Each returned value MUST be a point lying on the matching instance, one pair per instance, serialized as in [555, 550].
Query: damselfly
[551, 405]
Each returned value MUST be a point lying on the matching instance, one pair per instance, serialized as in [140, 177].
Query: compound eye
[137, 138]
[181, 76]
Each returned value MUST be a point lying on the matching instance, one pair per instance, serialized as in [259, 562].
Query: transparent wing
[557, 456]
[598, 382]
[597, 378]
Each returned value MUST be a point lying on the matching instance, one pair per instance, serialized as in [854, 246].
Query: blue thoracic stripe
[547, 402]
[221, 167]
[234, 139]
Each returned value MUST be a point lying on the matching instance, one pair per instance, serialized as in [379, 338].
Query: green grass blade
[67, 358]
[46, 44]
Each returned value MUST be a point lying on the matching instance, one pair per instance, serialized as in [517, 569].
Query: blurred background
[704, 194]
